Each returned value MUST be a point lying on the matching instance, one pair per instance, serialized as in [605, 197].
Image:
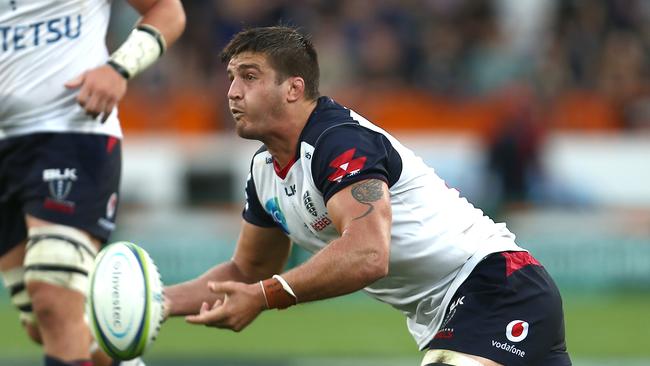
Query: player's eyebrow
[243, 67]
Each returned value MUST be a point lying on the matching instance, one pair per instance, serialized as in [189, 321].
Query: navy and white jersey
[44, 44]
[437, 237]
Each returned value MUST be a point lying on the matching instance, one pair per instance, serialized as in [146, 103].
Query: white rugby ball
[125, 300]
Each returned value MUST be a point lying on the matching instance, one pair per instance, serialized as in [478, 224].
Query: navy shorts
[70, 179]
[508, 310]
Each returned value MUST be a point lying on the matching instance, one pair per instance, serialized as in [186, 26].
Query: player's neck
[283, 145]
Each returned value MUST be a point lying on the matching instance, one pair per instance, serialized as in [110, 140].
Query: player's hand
[241, 304]
[100, 89]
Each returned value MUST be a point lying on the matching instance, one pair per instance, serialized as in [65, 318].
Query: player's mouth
[236, 113]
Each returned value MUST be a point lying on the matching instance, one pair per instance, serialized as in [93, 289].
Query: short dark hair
[289, 53]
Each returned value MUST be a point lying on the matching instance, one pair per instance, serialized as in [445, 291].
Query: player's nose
[235, 91]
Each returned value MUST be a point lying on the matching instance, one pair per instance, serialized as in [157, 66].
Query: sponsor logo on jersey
[346, 165]
[517, 330]
[309, 204]
[321, 223]
[273, 208]
[23, 36]
[508, 348]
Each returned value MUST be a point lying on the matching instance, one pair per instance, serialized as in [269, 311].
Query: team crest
[60, 183]
[346, 165]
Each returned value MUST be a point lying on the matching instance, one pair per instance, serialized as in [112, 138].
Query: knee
[57, 262]
[44, 304]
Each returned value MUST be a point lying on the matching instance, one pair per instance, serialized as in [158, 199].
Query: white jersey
[44, 44]
[437, 237]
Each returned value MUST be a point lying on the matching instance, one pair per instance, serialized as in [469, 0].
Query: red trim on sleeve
[517, 260]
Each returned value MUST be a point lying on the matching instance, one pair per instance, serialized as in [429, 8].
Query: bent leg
[58, 260]
[59, 312]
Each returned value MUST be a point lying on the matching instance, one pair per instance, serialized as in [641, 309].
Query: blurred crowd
[472, 65]
[507, 71]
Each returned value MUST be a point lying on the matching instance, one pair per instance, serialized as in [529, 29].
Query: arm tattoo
[367, 192]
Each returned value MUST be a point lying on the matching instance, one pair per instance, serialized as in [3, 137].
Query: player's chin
[245, 130]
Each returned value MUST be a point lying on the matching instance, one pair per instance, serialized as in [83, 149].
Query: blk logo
[345, 164]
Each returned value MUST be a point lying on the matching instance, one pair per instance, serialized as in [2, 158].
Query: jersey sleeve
[253, 212]
[349, 153]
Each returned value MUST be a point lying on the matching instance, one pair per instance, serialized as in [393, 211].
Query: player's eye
[249, 77]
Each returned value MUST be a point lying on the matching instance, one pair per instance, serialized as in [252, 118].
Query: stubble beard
[273, 113]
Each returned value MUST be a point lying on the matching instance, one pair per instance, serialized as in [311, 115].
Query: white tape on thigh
[14, 281]
[448, 357]
[59, 255]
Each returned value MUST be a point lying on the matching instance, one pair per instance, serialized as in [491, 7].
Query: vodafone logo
[517, 330]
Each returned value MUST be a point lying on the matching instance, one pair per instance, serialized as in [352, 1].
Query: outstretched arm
[260, 252]
[358, 258]
[101, 88]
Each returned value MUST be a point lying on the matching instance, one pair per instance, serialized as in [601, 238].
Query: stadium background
[538, 111]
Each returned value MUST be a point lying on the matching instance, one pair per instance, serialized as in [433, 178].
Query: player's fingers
[92, 106]
[217, 303]
[204, 307]
[212, 317]
[198, 318]
[75, 83]
[108, 110]
[101, 108]
[83, 97]
[221, 287]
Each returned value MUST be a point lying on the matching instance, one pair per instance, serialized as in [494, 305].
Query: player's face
[255, 98]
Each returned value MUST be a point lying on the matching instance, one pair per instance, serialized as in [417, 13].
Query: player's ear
[296, 88]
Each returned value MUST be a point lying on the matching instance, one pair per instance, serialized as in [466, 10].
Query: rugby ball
[125, 300]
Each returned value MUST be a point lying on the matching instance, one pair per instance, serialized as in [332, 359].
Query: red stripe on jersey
[53, 205]
[282, 172]
[517, 260]
[110, 144]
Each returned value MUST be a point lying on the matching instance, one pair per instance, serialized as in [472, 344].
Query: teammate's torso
[44, 44]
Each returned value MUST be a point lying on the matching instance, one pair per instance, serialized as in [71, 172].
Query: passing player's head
[271, 71]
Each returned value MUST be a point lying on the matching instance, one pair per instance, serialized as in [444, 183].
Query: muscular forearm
[186, 298]
[340, 268]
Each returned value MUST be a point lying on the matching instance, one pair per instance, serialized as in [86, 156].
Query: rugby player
[60, 154]
[376, 219]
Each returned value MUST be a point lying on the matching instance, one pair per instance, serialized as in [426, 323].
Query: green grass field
[609, 329]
